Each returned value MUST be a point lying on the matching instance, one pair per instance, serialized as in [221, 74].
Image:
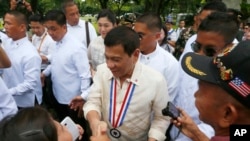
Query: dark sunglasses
[196, 47]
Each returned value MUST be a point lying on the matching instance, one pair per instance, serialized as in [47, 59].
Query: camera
[171, 111]
[19, 2]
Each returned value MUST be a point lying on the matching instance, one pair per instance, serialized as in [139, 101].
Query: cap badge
[191, 68]
[225, 74]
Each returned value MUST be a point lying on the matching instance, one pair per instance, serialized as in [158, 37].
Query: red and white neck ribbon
[126, 101]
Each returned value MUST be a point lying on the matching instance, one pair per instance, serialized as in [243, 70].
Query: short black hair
[124, 36]
[223, 23]
[36, 18]
[152, 20]
[19, 16]
[108, 14]
[215, 6]
[67, 3]
[56, 15]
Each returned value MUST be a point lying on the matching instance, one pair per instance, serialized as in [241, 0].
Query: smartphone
[71, 126]
[171, 111]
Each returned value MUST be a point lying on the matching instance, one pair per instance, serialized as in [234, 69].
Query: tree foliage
[161, 7]
[104, 3]
[245, 9]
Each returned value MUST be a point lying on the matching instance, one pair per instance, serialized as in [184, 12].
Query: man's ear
[23, 27]
[136, 53]
[64, 26]
[157, 35]
[230, 115]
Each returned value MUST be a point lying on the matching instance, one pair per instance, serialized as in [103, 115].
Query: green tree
[4, 7]
[119, 4]
[104, 4]
[156, 6]
[245, 9]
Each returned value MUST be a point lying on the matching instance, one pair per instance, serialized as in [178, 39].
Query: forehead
[9, 17]
[141, 27]
[114, 51]
[214, 39]
[103, 20]
[168, 24]
[35, 23]
[51, 24]
[206, 87]
[71, 8]
[211, 90]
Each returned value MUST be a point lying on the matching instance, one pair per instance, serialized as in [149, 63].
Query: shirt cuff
[46, 72]
[85, 96]
[49, 57]
[153, 133]
[12, 91]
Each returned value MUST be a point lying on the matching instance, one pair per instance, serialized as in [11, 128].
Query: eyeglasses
[208, 51]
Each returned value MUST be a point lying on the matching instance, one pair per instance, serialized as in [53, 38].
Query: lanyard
[126, 101]
[39, 49]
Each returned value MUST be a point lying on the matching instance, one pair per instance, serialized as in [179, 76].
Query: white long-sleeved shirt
[45, 46]
[96, 51]
[3, 36]
[167, 65]
[150, 95]
[172, 35]
[69, 69]
[23, 77]
[79, 32]
[185, 98]
[7, 103]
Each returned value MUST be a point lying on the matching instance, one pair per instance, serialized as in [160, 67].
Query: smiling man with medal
[125, 93]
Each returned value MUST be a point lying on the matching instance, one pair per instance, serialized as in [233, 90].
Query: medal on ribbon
[124, 107]
[115, 133]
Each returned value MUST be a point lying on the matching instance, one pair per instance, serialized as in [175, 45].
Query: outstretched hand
[101, 132]
[76, 104]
